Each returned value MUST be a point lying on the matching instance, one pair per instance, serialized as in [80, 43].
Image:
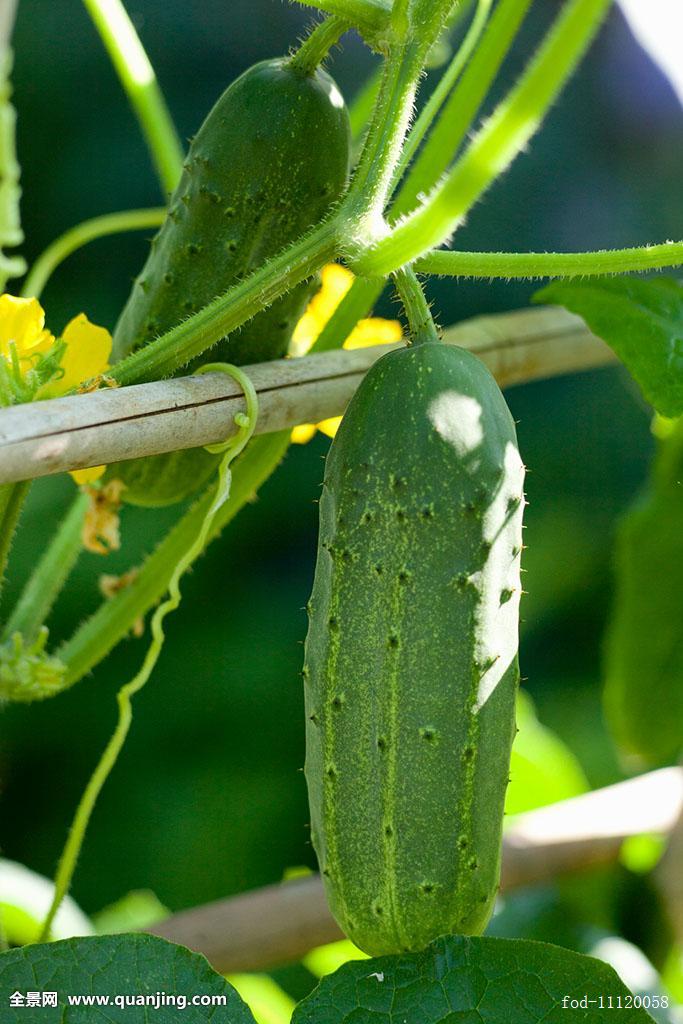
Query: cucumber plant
[411, 670]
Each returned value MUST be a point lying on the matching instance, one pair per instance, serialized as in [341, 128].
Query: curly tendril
[230, 449]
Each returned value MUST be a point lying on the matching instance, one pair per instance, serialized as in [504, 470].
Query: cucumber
[266, 165]
[410, 670]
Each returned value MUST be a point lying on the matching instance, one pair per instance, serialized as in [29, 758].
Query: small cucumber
[411, 668]
[267, 164]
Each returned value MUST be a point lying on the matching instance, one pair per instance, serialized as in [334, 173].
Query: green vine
[231, 449]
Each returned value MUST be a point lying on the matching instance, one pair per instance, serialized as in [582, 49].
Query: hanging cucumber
[268, 163]
[411, 656]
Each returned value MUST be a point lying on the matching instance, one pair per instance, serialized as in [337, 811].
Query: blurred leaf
[133, 912]
[644, 644]
[267, 1001]
[642, 321]
[468, 980]
[543, 769]
[139, 966]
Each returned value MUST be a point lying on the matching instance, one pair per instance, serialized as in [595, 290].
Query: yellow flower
[87, 352]
[336, 281]
[22, 330]
[37, 366]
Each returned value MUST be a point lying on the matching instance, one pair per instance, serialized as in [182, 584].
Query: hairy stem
[441, 93]
[369, 16]
[175, 348]
[317, 45]
[8, 13]
[495, 146]
[420, 320]
[372, 181]
[49, 575]
[464, 101]
[139, 81]
[81, 234]
[113, 620]
[551, 264]
[220, 494]
[12, 497]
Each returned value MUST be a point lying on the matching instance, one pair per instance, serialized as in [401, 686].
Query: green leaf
[139, 966]
[460, 980]
[643, 694]
[543, 770]
[642, 321]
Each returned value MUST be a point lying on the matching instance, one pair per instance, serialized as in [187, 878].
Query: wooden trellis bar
[111, 425]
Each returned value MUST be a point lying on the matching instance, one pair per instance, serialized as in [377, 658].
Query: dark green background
[209, 798]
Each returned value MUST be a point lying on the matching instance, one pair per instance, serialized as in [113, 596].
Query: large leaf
[460, 980]
[644, 649]
[642, 321]
[138, 966]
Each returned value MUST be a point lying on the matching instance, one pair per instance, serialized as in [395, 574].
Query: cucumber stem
[551, 264]
[495, 36]
[112, 621]
[12, 497]
[49, 576]
[441, 95]
[370, 17]
[498, 142]
[420, 319]
[221, 493]
[241, 302]
[317, 45]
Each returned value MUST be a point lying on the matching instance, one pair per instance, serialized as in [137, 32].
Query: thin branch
[281, 923]
[450, 263]
[111, 425]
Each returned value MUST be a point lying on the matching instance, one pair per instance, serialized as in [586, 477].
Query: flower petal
[87, 476]
[330, 426]
[335, 283]
[22, 321]
[374, 331]
[303, 433]
[88, 348]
